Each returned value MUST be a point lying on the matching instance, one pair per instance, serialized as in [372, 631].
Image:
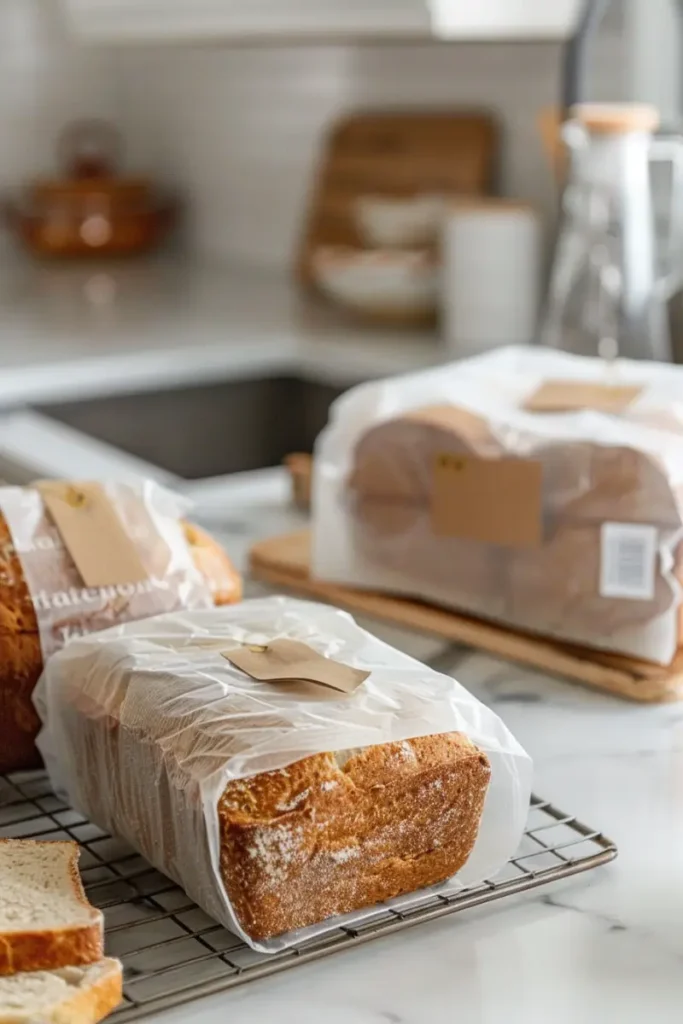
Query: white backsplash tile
[240, 129]
[45, 81]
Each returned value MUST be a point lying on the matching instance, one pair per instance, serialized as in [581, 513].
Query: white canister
[491, 274]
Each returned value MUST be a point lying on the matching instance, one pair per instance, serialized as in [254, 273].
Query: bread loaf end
[334, 833]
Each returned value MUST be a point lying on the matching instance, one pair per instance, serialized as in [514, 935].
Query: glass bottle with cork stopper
[605, 282]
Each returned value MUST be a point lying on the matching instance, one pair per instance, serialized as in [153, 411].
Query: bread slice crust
[89, 1003]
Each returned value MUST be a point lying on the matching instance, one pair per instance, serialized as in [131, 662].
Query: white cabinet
[178, 20]
[504, 19]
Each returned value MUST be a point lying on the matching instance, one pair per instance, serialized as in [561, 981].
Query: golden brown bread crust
[31, 951]
[93, 1003]
[322, 838]
[215, 566]
[21, 660]
[58, 947]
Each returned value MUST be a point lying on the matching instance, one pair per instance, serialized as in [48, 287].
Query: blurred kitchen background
[263, 262]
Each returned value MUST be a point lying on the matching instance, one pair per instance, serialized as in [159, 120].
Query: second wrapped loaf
[473, 486]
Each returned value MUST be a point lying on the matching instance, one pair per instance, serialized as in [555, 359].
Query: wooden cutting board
[284, 561]
[395, 153]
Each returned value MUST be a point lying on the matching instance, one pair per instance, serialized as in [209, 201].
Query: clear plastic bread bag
[145, 724]
[604, 572]
[151, 517]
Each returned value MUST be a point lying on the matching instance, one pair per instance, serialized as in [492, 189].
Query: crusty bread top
[465, 424]
[263, 798]
[583, 480]
[41, 889]
[70, 994]
[394, 459]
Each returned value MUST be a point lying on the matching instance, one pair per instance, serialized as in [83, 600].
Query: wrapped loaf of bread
[287, 796]
[526, 486]
[44, 602]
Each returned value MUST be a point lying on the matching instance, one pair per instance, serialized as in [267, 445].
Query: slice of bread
[71, 995]
[46, 920]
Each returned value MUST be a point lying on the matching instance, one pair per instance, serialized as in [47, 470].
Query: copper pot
[91, 211]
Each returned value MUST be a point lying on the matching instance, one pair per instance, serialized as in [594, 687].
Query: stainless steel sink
[207, 430]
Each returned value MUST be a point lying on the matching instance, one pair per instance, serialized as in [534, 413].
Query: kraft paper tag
[574, 395]
[92, 532]
[283, 661]
[493, 501]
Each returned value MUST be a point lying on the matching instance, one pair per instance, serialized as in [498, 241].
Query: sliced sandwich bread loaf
[46, 921]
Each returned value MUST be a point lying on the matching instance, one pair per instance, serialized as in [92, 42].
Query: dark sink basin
[207, 430]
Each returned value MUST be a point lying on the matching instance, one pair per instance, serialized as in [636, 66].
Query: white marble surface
[69, 331]
[607, 947]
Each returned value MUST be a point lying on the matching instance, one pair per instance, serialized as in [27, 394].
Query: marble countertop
[73, 331]
[604, 947]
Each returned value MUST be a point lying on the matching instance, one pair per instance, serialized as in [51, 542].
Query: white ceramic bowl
[384, 221]
[384, 283]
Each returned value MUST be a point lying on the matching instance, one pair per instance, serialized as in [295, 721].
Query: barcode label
[628, 555]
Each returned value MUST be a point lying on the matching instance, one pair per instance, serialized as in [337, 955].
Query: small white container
[491, 274]
[383, 284]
